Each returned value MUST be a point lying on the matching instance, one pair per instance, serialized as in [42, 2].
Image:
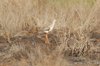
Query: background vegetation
[70, 41]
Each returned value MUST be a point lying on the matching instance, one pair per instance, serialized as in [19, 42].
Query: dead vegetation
[74, 40]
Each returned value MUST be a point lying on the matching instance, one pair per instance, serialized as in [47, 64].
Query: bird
[47, 30]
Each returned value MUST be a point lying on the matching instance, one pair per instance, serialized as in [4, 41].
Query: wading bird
[47, 30]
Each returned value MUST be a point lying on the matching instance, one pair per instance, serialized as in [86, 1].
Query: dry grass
[70, 41]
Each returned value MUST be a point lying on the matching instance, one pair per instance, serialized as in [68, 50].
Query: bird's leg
[8, 39]
[46, 38]
[7, 36]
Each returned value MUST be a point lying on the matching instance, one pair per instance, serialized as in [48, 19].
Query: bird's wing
[46, 30]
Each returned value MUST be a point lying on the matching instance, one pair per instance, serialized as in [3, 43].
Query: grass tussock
[70, 41]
